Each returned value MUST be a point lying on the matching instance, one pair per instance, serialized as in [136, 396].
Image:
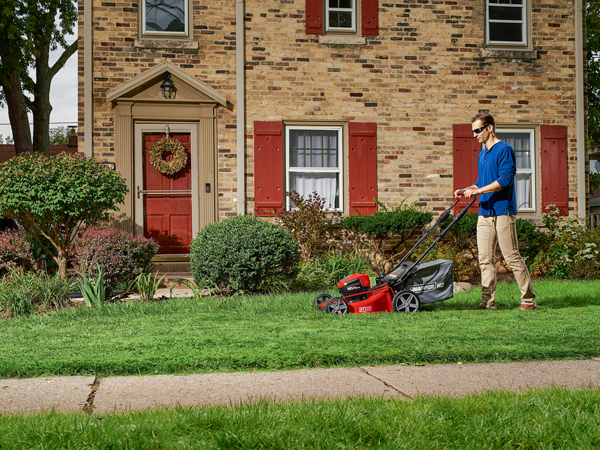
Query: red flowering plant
[15, 251]
[121, 255]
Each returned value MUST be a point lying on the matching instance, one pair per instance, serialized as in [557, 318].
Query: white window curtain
[323, 184]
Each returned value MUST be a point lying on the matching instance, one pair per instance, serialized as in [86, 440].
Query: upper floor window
[506, 22]
[165, 17]
[522, 143]
[314, 163]
[341, 15]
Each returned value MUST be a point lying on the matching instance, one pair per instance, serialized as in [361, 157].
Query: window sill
[509, 54]
[166, 43]
[344, 40]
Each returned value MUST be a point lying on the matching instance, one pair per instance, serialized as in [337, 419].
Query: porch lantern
[167, 87]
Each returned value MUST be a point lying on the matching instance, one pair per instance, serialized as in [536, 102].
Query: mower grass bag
[432, 282]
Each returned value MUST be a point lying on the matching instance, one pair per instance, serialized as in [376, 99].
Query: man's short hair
[486, 119]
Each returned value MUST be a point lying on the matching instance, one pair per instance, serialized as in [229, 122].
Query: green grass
[287, 332]
[545, 419]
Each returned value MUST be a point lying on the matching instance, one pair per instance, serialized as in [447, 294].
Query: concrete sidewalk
[122, 394]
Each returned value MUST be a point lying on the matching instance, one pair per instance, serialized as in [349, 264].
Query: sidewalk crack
[386, 383]
[88, 408]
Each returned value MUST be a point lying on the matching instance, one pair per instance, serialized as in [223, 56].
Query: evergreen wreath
[173, 146]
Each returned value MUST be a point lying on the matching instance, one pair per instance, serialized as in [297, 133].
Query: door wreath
[173, 146]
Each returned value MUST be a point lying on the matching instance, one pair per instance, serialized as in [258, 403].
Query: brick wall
[424, 72]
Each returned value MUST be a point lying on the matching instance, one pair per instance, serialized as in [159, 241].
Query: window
[523, 144]
[341, 15]
[314, 163]
[165, 17]
[506, 22]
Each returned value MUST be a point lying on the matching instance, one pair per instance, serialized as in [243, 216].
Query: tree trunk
[17, 113]
[41, 102]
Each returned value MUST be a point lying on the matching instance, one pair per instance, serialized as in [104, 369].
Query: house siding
[425, 71]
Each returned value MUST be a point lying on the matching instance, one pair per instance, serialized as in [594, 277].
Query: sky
[63, 95]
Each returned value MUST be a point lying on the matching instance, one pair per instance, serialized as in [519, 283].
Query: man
[497, 213]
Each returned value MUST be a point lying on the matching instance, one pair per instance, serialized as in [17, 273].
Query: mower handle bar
[414, 267]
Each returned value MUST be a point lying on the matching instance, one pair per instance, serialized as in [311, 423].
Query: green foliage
[24, 293]
[241, 252]
[594, 182]
[569, 249]
[337, 265]
[53, 197]
[59, 135]
[147, 284]
[93, 290]
[370, 234]
[306, 222]
[593, 69]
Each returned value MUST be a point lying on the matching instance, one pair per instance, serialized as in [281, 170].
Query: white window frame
[339, 170]
[186, 21]
[341, 29]
[533, 168]
[524, 31]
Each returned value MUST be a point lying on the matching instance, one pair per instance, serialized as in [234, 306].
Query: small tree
[53, 198]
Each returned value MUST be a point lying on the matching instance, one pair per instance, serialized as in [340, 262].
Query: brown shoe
[528, 307]
[480, 306]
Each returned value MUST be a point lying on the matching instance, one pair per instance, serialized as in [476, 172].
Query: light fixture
[167, 87]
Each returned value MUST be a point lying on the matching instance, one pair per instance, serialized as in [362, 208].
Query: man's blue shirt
[497, 164]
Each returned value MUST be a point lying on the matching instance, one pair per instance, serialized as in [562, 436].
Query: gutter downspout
[88, 78]
[580, 111]
[240, 106]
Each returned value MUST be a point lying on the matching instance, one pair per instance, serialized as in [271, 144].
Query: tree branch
[64, 58]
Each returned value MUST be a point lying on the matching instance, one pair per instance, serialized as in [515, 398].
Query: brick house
[354, 99]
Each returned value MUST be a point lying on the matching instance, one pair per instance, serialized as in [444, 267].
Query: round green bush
[242, 252]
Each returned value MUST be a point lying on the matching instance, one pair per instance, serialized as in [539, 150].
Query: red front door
[168, 199]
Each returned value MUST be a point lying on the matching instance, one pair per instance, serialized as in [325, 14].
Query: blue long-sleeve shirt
[497, 164]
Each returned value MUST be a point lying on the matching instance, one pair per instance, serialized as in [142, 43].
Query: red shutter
[370, 17]
[314, 16]
[466, 152]
[555, 180]
[362, 168]
[268, 167]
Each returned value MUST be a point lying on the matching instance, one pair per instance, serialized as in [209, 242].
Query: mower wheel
[321, 298]
[406, 302]
[336, 305]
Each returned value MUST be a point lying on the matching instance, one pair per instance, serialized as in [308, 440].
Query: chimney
[72, 137]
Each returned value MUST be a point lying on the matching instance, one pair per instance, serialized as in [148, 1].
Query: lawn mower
[405, 287]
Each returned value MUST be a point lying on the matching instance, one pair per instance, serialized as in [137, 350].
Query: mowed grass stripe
[277, 332]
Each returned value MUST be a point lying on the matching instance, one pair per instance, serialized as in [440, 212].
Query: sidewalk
[122, 394]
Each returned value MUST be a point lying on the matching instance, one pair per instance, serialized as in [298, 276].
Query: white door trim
[138, 164]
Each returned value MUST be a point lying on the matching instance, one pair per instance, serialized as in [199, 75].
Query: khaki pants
[491, 231]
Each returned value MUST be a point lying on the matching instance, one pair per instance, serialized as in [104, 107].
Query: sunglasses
[480, 129]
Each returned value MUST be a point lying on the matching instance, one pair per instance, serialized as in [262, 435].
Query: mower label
[364, 309]
[426, 287]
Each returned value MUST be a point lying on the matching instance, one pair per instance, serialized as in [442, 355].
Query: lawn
[545, 419]
[276, 332]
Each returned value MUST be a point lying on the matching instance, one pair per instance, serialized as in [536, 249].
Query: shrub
[15, 251]
[306, 222]
[23, 293]
[121, 255]
[370, 234]
[569, 249]
[53, 197]
[241, 252]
